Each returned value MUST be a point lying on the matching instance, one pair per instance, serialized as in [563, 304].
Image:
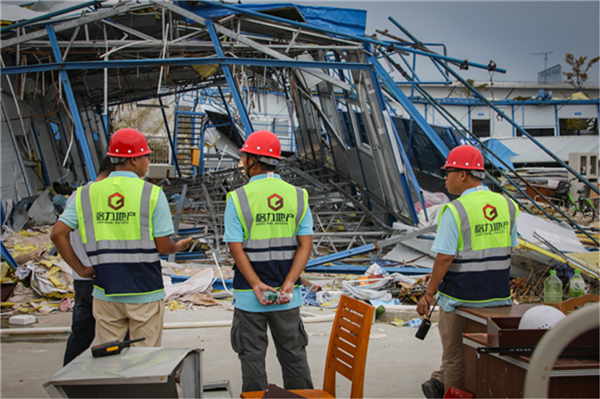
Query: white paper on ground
[197, 283]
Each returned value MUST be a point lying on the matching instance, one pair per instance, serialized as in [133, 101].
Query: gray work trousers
[249, 340]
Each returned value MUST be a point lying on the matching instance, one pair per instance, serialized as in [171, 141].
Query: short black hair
[262, 165]
[106, 166]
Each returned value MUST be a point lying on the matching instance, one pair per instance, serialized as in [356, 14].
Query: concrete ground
[397, 362]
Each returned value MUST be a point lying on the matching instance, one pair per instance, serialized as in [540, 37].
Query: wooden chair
[571, 304]
[347, 352]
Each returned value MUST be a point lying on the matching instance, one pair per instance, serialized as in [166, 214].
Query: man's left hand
[88, 272]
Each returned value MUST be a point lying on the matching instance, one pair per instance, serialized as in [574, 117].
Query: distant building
[550, 76]
[561, 119]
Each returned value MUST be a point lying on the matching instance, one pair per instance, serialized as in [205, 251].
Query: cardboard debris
[205, 299]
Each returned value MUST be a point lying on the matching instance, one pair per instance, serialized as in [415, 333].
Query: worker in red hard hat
[268, 226]
[124, 223]
[475, 236]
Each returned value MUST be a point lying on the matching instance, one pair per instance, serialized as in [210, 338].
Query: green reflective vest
[115, 225]
[270, 211]
[480, 271]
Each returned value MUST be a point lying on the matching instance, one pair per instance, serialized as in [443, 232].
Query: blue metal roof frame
[343, 20]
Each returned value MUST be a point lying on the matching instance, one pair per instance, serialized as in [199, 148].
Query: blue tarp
[502, 152]
[343, 20]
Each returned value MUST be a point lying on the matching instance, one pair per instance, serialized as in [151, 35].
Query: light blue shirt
[162, 224]
[234, 232]
[446, 242]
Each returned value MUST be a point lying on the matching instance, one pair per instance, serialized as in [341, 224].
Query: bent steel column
[502, 114]
[409, 107]
[233, 88]
[73, 106]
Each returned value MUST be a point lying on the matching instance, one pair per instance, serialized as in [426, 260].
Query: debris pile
[40, 281]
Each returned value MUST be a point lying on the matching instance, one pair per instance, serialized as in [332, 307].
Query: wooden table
[476, 318]
[494, 375]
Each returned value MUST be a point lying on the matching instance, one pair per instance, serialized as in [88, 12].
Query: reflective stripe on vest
[123, 266]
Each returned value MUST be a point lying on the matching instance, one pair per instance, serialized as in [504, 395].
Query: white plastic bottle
[552, 289]
[576, 285]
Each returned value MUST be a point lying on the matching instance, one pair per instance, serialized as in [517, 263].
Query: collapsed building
[352, 133]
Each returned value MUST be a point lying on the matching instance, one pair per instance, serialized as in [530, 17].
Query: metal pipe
[18, 153]
[173, 149]
[166, 326]
[118, 9]
[233, 87]
[73, 105]
[519, 128]
[69, 66]
[502, 114]
[50, 15]
[555, 207]
[353, 37]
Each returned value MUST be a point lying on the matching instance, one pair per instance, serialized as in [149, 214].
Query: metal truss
[342, 221]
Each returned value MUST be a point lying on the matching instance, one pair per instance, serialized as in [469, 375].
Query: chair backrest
[348, 344]
[569, 305]
[561, 188]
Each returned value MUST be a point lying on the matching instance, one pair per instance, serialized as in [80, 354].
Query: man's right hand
[424, 302]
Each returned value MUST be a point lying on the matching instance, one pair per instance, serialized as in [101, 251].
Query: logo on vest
[275, 202]
[490, 212]
[116, 201]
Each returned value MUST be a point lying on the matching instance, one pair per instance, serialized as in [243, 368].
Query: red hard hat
[128, 143]
[263, 143]
[465, 157]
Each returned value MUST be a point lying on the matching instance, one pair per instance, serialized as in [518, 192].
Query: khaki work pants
[452, 370]
[114, 319]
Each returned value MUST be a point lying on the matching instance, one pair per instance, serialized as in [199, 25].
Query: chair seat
[307, 393]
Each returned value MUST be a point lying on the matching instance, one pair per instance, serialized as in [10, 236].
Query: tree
[578, 76]
[465, 92]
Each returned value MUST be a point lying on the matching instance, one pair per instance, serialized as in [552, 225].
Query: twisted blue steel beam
[363, 39]
[506, 117]
[70, 66]
[73, 106]
[233, 87]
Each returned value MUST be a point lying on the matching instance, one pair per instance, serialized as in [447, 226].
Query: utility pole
[545, 54]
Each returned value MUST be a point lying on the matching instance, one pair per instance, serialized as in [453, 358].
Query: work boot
[433, 389]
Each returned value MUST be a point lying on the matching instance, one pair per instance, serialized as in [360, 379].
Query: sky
[507, 32]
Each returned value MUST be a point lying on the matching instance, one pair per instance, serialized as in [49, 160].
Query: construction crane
[545, 54]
